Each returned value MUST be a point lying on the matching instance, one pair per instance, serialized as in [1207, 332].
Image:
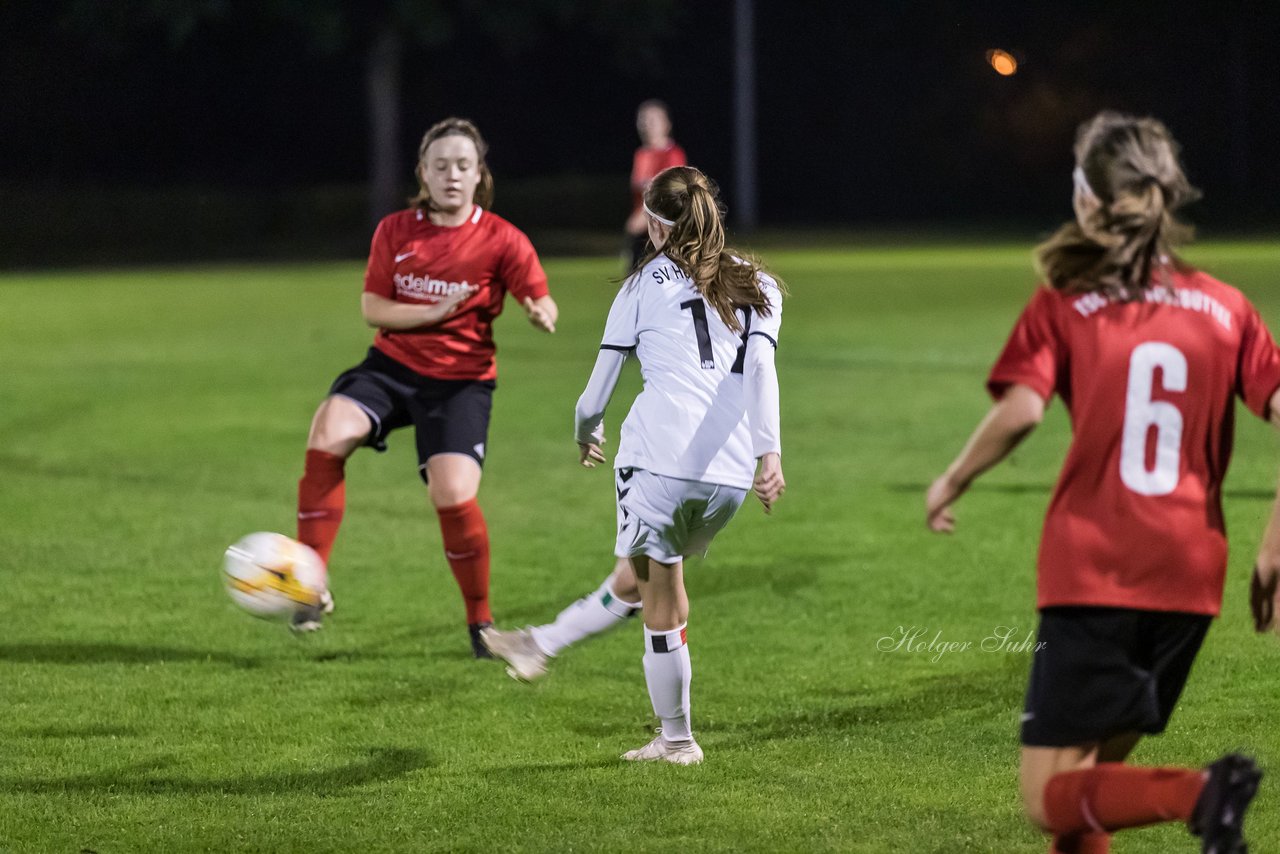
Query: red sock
[322, 496]
[1112, 796]
[1081, 843]
[466, 547]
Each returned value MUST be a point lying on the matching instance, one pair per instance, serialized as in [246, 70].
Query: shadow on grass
[726, 577]
[143, 778]
[90, 731]
[540, 768]
[1005, 488]
[115, 653]
[983, 693]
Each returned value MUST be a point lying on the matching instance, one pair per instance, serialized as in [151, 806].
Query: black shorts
[1101, 672]
[448, 416]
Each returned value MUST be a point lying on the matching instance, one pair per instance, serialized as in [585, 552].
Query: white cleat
[308, 619]
[678, 753]
[525, 659]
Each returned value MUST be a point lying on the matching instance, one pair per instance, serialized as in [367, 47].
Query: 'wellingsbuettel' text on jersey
[1136, 518]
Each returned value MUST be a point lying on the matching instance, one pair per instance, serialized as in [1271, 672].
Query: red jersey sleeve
[1034, 352]
[1258, 375]
[520, 270]
[378, 274]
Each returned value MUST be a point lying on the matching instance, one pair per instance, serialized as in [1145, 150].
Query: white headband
[662, 219]
[1082, 183]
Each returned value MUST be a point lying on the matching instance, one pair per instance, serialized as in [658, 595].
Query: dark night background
[240, 133]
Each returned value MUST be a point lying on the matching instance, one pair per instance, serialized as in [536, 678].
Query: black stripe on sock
[660, 643]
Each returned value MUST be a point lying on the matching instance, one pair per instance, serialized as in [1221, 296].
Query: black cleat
[311, 619]
[478, 649]
[1218, 818]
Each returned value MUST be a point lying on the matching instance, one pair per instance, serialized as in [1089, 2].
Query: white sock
[668, 672]
[588, 616]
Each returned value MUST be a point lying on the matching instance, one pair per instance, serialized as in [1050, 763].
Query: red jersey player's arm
[542, 312]
[1264, 587]
[384, 313]
[1008, 422]
[522, 273]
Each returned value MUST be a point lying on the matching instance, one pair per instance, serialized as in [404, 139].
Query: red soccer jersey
[1136, 518]
[647, 163]
[413, 260]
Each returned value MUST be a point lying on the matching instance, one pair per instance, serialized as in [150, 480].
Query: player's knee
[1033, 806]
[626, 592]
[623, 582]
[452, 479]
[446, 493]
[339, 427]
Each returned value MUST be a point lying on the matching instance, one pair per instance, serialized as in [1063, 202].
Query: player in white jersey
[704, 324]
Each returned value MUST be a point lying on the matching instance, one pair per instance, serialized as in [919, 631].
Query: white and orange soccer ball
[272, 576]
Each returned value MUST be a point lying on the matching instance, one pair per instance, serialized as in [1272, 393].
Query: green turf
[152, 417]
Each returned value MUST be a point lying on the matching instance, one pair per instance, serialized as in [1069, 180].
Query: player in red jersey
[657, 151]
[1147, 355]
[437, 277]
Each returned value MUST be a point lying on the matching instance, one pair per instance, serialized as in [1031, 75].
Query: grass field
[152, 417]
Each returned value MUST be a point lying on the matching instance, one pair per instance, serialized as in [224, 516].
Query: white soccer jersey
[691, 419]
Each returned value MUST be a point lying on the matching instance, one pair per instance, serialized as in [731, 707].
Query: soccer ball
[272, 576]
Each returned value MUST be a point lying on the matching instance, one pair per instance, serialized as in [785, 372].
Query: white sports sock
[667, 671]
[588, 616]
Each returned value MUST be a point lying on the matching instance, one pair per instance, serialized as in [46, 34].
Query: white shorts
[669, 519]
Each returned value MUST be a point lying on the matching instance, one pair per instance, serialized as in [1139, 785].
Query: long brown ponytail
[726, 278]
[1131, 166]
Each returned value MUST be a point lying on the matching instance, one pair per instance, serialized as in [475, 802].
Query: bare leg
[666, 605]
[1083, 794]
[1040, 764]
[622, 581]
[338, 428]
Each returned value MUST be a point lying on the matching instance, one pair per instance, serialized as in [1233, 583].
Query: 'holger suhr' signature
[918, 639]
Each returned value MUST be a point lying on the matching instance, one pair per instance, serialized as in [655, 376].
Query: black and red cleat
[1218, 818]
[478, 649]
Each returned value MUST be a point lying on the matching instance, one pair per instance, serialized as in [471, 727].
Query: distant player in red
[437, 277]
[657, 151]
[1147, 355]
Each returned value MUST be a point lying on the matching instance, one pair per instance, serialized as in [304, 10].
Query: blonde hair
[453, 126]
[1131, 165]
[726, 278]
